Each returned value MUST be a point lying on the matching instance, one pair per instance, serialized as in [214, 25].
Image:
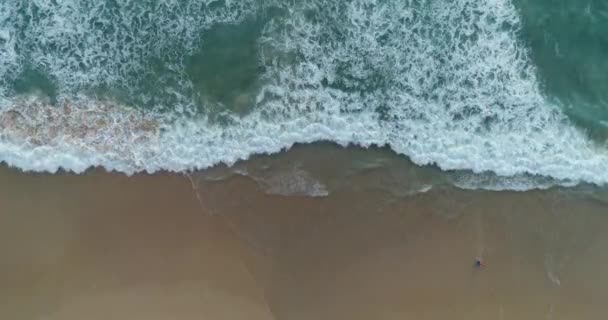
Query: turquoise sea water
[509, 88]
[569, 45]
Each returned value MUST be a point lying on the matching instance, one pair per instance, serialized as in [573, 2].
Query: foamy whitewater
[446, 83]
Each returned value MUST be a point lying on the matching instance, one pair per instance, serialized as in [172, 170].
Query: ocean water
[497, 94]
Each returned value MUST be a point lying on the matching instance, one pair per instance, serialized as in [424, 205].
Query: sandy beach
[104, 246]
[168, 246]
[303, 160]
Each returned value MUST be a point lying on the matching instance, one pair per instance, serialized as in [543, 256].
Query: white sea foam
[492, 182]
[8, 56]
[127, 141]
[294, 181]
[443, 83]
[82, 44]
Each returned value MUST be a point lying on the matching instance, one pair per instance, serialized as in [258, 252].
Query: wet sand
[106, 246]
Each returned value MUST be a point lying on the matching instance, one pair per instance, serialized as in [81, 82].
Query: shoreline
[345, 162]
[148, 247]
[298, 160]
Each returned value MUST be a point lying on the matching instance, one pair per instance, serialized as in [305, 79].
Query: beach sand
[168, 246]
[104, 246]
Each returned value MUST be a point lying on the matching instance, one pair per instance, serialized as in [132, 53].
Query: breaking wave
[110, 83]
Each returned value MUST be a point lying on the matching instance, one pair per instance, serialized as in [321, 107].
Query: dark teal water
[568, 41]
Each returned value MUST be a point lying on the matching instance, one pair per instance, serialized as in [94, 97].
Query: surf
[445, 84]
